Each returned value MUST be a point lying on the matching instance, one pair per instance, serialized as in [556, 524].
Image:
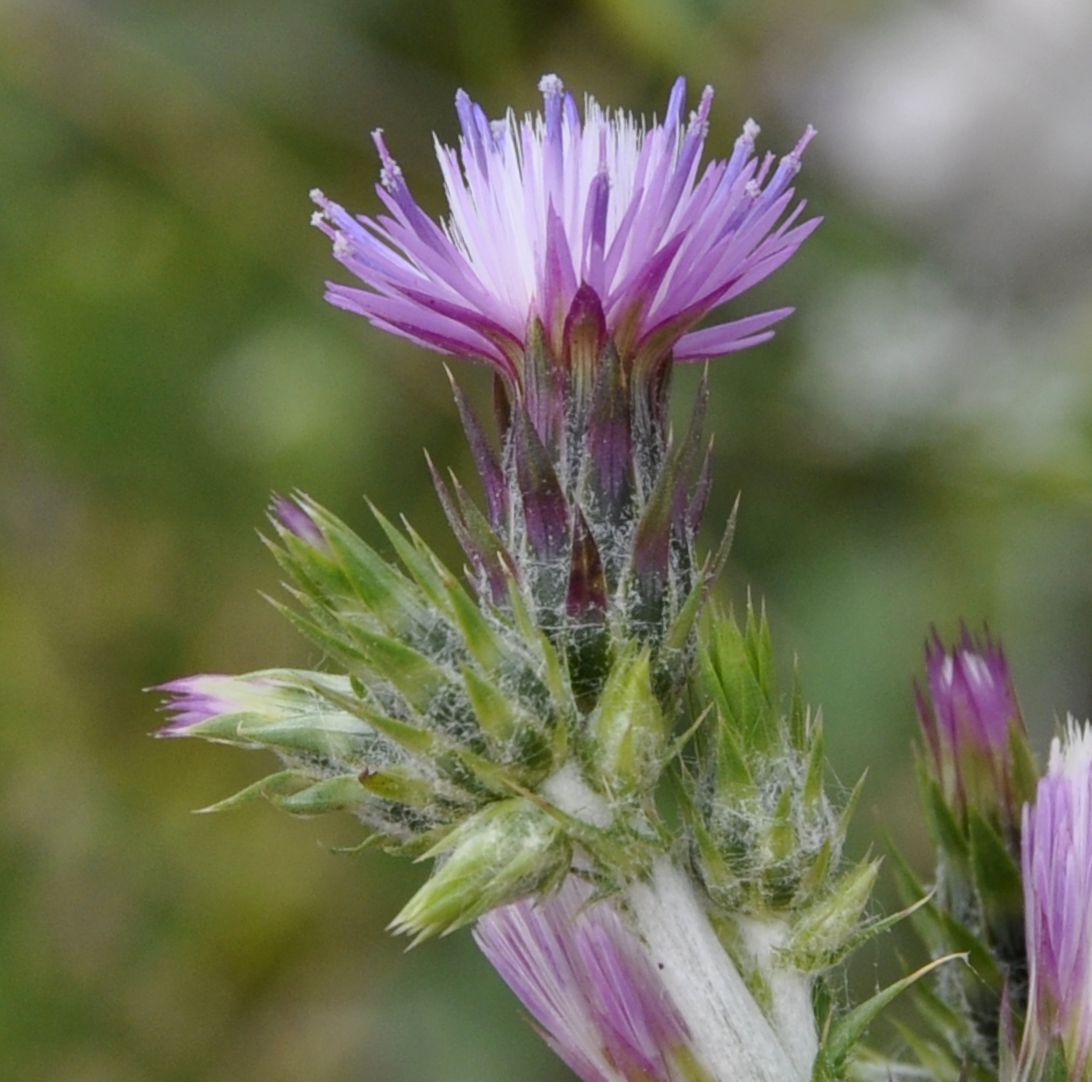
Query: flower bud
[627, 735]
[508, 850]
[974, 732]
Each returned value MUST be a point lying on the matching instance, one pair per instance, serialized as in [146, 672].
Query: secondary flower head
[586, 980]
[557, 219]
[971, 721]
[1057, 874]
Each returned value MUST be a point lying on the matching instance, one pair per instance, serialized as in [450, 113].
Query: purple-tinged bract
[587, 981]
[557, 214]
[1057, 874]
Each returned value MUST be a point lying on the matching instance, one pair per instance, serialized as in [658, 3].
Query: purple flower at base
[587, 981]
[1057, 875]
[566, 221]
[971, 719]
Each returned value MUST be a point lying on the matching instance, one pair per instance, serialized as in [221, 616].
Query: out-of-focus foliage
[916, 445]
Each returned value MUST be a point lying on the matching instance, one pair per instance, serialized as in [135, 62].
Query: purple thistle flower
[197, 699]
[968, 718]
[556, 215]
[587, 981]
[1057, 874]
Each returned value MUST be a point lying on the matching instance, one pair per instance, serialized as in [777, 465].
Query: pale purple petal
[542, 206]
[587, 981]
[728, 337]
[194, 699]
[294, 517]
[1057, 873]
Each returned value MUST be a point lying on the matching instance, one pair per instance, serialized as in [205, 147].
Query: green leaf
[846, 1031]
[380, 588]
[407, 735]
[315, 626]
[935, 1058]
[399, 786]
[817, 764]
[417, 678]
[341, 793]
[944, 827]
[271, 787]
[734, 779]
[555, 675]
[421, 567]
[498, 717]
[997, 878]
[678, 634]
[736, 674]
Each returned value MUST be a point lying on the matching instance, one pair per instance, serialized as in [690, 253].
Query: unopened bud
[508, 850]
[628, 733]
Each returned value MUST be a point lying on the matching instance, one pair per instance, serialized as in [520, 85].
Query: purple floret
[585, 978]
[194, 699]
[543, 207]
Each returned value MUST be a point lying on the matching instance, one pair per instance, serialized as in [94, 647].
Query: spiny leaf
[417, 678]
[935, 1058]
[554, 675]
[497, 562]
[421, 568]
[846, 1031]
[399, 786]
[480, 636]
[997, 878]
[380, 588]
[496, 490]
[945, 828]
[813, 784]
[493, 709]
[679, 632]
[341, 793]
[271, 787]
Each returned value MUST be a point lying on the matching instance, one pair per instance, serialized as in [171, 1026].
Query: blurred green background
[916, 445]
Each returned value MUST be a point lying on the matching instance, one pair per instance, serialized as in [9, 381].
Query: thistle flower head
[566, 222]
[973, 727]
[579, 255]
[1057, 874]
[588, 982]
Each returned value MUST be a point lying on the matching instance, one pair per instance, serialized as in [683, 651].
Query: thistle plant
[598, 760]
